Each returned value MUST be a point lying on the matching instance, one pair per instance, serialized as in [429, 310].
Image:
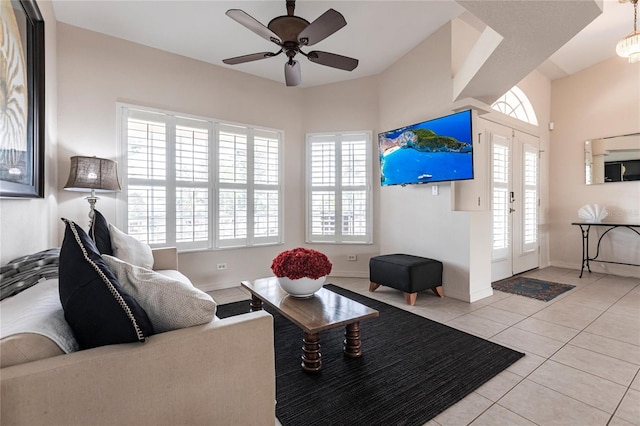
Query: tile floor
[582, 350]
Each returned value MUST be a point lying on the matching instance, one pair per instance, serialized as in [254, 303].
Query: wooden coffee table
[323, 311]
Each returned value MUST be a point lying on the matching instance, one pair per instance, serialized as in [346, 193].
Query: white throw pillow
[129, 249]
[169, 303]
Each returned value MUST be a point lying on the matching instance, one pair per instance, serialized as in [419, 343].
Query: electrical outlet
[222, 266]
[434, 190]
[352, 257]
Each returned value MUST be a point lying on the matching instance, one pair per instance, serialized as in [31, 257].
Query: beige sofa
[220, 373]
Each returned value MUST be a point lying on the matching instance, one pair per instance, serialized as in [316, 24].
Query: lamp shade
[92, 173]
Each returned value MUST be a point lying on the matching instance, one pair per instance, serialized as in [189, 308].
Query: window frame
[171, 119]
[339, 138]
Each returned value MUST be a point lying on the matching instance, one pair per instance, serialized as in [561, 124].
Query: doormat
[411, 369]
[531, 287]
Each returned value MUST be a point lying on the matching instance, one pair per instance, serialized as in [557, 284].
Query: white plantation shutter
[339, 187]
[249, 211]
[323, 213]
[500, 208]
[192, 182]
[192, 154]
[266, 177]
[530, 238]
[146, 167]
[354, 184]
[196, 183]
[147, 218]
[232, 211]
[192, 207]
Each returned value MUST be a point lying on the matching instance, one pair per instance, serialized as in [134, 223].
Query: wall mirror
[612, 159]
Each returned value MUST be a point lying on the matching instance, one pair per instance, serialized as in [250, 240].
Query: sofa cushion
[97, 308]
[170, 303]
[99, 233]
[129, 249]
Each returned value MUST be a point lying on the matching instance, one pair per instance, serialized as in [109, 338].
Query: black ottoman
[406, 273]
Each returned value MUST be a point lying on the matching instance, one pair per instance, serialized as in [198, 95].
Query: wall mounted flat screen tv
[437, 150]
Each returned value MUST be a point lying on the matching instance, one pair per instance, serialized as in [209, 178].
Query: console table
[585, 227]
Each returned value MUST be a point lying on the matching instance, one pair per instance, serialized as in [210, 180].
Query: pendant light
[629, 47]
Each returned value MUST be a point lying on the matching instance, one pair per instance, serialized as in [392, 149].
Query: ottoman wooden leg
[438, 291]
[373, 286]
[410, 298]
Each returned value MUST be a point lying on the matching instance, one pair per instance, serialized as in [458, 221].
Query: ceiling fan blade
[248, 58]
[254, 25]
[292, 73]
[326, 24]
[333, 60]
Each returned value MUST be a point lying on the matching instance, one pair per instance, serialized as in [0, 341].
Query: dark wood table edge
[311, 354]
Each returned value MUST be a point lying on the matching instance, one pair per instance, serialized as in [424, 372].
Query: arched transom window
[516, 104]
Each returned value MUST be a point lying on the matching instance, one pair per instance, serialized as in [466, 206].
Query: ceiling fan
[291, 33]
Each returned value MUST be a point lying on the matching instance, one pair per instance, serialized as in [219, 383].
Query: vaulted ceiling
[518, 36]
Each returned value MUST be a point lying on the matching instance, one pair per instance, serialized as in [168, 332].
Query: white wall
[601, 101]
[347, 106]
[537, 87]
[37, 219]
[96, 71]
[412, 221]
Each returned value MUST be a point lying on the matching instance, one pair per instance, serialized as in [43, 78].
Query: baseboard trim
[350, 274]
[206, 287]
[479, 295]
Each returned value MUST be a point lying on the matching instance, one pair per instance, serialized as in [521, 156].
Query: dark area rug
[411, 370]
[531, 287]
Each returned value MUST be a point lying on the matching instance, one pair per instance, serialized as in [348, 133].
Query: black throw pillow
[97, 308]
[99, 232]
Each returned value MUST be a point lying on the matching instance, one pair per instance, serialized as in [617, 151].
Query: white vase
[301, 287]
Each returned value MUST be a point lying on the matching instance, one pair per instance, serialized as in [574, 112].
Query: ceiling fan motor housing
[288, 28]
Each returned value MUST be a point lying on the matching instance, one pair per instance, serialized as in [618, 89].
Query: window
[516, 104]
[339, 187]
[530, 205]
[500, 200]
[197, 183]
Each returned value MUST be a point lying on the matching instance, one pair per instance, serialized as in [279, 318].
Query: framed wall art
[21, 99]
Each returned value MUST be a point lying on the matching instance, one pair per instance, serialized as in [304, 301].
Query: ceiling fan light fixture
[290, 33]
[629, 47]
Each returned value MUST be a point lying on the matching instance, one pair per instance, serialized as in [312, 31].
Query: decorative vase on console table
[301, 272]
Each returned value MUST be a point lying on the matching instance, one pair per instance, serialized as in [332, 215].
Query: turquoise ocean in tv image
[406, 165]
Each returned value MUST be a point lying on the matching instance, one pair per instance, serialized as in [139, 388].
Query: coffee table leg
[352, 343]
[311, 356]
[256, 303]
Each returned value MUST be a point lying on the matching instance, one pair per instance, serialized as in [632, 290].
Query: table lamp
[92, 174]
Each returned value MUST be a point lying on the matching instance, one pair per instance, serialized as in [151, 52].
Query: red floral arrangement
[301, 262]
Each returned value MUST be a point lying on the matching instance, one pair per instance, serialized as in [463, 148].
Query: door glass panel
[530, 228]
[500, 201]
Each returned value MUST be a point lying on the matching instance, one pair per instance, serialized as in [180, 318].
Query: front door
[526, 203]
[514, 204]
